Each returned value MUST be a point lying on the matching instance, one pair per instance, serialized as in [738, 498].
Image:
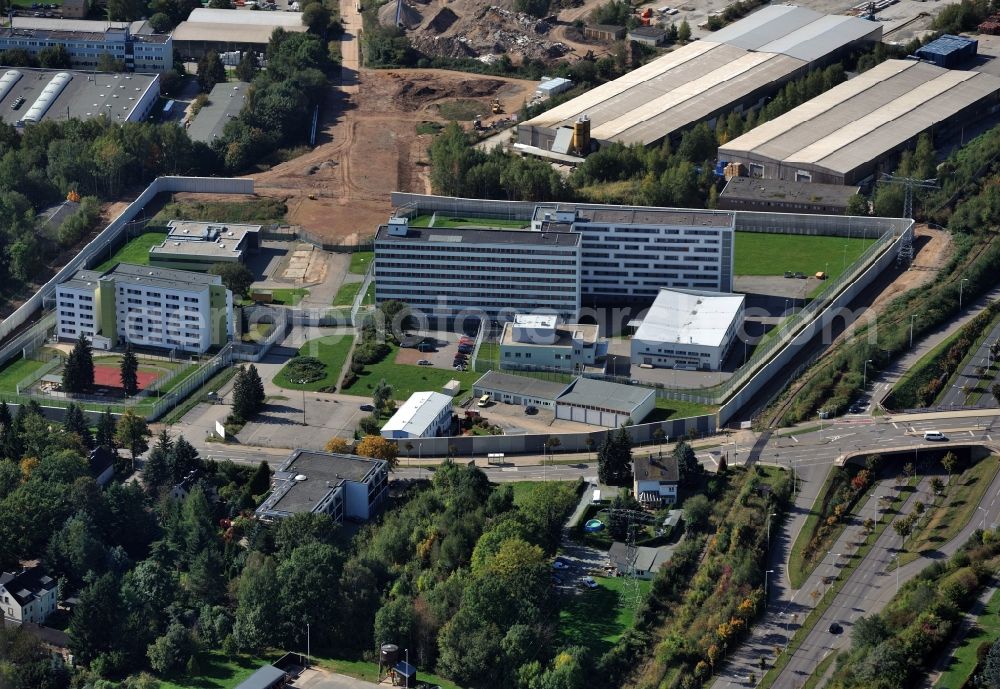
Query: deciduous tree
[377, 447]
[133, 433]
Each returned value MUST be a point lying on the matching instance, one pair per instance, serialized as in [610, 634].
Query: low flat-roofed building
[688, 329]
[525, 343]
[28, 96]
[343, 486]
[503, 387]
[423, 415]
[949, 51]
[602, 403]
[604, 32]
[224, 104]
[858, 128]
[785, 196]
[197, 246]
[265, 677]
[653, 36]
[224, 31]
[450, 272]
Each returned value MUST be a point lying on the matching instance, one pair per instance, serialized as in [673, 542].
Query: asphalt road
[811, 455]
[954, 397]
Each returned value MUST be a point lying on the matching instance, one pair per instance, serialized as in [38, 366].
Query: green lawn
[16, 370]
[368, 672]
[762, 253]
[963, 660]
[345, 295]
[332, 351]
[360, 260]
[256, 211]
[217, 672]
[594, 618]
[407, 379]
[136, 251]
[961, 499]
[288, 297]
[677, 409]
[446, 221]
[522, 489]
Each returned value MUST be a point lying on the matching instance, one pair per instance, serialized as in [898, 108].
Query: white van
[934, 435]
[484, 400]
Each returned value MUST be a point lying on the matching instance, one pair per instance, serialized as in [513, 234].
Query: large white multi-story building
[134, 45]
[631, 252]
[149, 307]
[688, 329]
[479, 272]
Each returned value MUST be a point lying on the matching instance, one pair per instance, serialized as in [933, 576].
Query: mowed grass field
[332, 351]
[594, 618]
[407, 379]
[136, 251]
[762, 253]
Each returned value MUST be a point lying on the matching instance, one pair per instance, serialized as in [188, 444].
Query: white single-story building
[601, 403]
[688, 329]
[423, 415]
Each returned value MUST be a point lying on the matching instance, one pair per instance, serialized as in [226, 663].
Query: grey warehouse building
[32, 95]
[735, 68]
[854, 130]
[788, 196]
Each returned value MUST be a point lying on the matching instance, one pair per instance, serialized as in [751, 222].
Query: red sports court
[110, 376]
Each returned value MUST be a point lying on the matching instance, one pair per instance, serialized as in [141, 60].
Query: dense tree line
[280, 101]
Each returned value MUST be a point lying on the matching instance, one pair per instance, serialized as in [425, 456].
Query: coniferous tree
[76, 422]
[85, 362]
[157, 470]
[71, 373]
[130, 371]
[106, 429]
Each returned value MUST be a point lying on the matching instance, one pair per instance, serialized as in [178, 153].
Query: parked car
[423, 362]
[835, 628]
[531, 410]
[367, 407]
[465, 350]
[559, 564]
[589, 582]
[426, 347]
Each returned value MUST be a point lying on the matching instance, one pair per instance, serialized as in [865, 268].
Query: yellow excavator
[496, 107]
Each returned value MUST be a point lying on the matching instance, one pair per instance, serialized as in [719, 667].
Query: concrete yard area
[512, 419]
[318, 678]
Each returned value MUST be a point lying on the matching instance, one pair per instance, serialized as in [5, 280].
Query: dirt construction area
[369, 147]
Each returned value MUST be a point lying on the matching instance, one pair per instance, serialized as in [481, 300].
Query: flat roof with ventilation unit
[61, 94]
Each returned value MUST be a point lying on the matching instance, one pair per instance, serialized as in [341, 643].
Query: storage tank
[581, 135]
[388, 655]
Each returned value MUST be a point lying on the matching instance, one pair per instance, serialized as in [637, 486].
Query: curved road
[811, 455]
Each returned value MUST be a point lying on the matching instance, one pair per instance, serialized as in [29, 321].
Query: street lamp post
[961, 285]
[984, 516]
[864, 375]
[766, 574]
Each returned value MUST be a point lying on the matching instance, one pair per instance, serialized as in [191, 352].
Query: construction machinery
[496, 107]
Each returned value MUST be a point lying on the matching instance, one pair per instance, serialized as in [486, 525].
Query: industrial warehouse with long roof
[841, 136]
[737, 66]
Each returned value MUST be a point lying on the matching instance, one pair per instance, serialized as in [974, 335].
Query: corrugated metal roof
[821, 37]
[418, 412]
[765, 25]
[855, 122]
[693, 82]
[689, 317]
[945, 45]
